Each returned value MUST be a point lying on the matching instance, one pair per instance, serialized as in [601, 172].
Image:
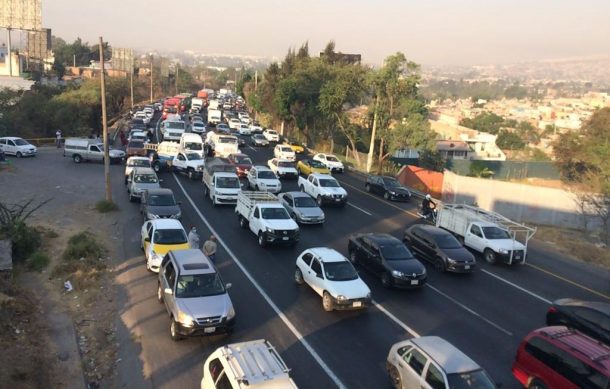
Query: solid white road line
[280, 314]
[360, 209]
[491, 323]
[395, 319]
[518, 287]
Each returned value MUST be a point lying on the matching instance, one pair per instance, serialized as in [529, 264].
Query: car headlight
[397, 273]
[177, 215]
[451, 261]
[200, 168]
[185, 319]
[341, 297]
[269, 230]
[231, 313]
[503, 251]
[369, 295]
[155, 257]
[151, 215]
[392, 192]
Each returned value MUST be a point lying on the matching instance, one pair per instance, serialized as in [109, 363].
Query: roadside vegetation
[104, 206]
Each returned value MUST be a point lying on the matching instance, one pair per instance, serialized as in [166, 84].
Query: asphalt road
[485, 314]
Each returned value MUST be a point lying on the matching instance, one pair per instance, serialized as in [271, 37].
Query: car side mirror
[228, 286]
[168, 291]
[212, 183]
[319, 276]
[147, 240]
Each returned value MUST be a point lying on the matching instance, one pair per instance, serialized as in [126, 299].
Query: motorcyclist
[427, 206]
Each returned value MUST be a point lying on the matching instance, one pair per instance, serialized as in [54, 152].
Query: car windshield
[146, 178]
[226, 139]
[175, 125]
[395, 252]
[228, 182]
[285, 164]
[20, 142]
[477, 379]
[193, 146]
[331, 158]
[161, 200]
[286, 149]
[266, 174]
[243, 159]
[495, 233]
[314, 163]
[339, 271]
[193, 157]
[221, 126]
[447, 241]
[136, 145]
[139, 163]
[275, 214]
[391, 183]
[305, 202]
[177, 236]
[326, 183]
[271, 132]
[199, 285]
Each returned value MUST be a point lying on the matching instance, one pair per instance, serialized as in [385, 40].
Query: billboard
[122, 59]
[39, 43]
[21, 14]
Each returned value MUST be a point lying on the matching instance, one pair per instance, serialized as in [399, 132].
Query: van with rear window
[559, 357]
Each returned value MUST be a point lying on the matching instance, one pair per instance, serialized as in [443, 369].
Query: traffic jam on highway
[354, 243]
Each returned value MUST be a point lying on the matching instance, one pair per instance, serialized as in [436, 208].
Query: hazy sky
[433, 32]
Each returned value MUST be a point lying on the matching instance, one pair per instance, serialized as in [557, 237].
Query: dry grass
[575, 243]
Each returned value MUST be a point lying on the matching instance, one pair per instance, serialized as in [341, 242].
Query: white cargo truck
[220, 181]
[197, 102]
[489, 233]
[214, 116]
[222, 145]
[267, 218]
[172, 129]
[191, 143]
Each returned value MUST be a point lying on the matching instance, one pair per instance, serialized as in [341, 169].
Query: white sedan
[283, 168]
[244, 129]
[284, 152]
[333, 277]
[271, 135]
[234, 124]
[330, 161]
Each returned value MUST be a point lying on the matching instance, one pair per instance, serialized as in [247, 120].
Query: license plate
[467, 267]
[517, 256]
[337, 200]
[209, 330]
[414, 282]
[357, 304]
[285, 238]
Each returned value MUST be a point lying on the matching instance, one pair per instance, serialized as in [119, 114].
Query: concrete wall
[523, 203]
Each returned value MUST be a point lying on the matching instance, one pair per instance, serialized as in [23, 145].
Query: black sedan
[589, 317]
[388, 187]
[440, 248]
[388, 258]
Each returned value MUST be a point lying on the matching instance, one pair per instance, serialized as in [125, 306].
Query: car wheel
[368, 188]
[439, 264]
[141, 245]
[386, 280]
[131, 198]
[243, 223]
[353, 257]
[262, 240]
[159, 293]
[191, 174]
[77, 158]
[298, 276]
[319, 200]
[156, 167]
[536, 384]
[214, 203]
[490, 256]
[395, 377]
[301, 188]
[386, 195]
[173, 331]
[205, 191]
[327, 302]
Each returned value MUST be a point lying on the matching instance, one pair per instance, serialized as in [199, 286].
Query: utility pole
[74, 60]
[8, 51]
[131, 80]
[177, 72]
[151, 78]
[105, 126]
[255, 88]
[369, 159]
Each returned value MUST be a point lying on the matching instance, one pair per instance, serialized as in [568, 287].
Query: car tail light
[520, 375]
[552, 310]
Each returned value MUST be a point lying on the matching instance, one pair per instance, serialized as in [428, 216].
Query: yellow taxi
[160, 236]
[296, 147]
[309, 166]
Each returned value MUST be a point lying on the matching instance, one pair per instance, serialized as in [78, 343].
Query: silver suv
[194, 294]
[141, 179]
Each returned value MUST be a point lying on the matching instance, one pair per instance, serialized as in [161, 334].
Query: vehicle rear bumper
[199, 330]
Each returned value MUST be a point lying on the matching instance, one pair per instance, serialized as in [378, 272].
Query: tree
[508, 140]
[431, 160]
[484, 122]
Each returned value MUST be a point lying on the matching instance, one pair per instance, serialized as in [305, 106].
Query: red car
[242, 163]
[559, 357]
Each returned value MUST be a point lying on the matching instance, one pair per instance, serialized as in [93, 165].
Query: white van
[83, 149]
[246, 365]
[173, 129]
[190, 142]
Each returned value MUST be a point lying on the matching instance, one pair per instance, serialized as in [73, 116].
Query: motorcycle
[430, 217]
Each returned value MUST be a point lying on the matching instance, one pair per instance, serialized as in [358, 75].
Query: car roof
[158, 191]
[596, 305]
[296, 194]
[143, 170]
[327, 254]
[166, 224]
[324, 176]
[577, 344]
[192, 261]
[11, 137]
[261, 167]
[445, 354]
[431, 230]
[381, 238]
[138, 157]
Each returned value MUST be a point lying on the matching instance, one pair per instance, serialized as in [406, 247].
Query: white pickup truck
[267, 218]
[489, 233]
[220, 182]
[222, 145]
[324, 188]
